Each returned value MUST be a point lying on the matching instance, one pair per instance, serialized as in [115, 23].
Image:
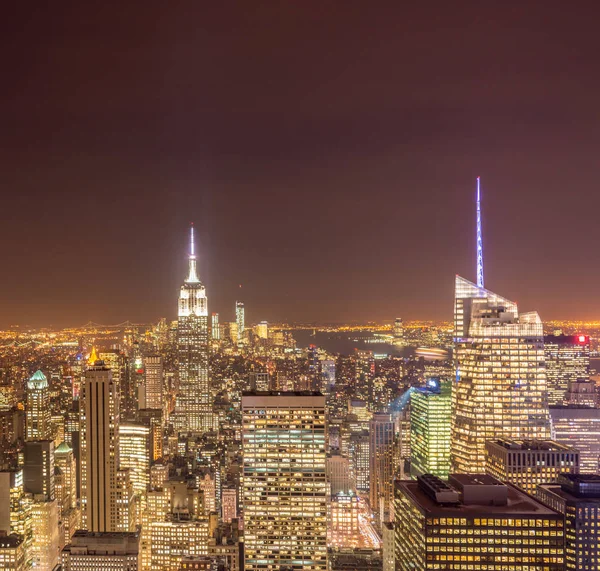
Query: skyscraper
[99, 426]
[194, 403]
[577, 497]
[240, 319]
[567, 360]
[284, 483]
[215, 327]
[473, 522]
[398, 332]
[38, 408]
[500, 388]
[153, 371]
[382, 456]
[430, 422]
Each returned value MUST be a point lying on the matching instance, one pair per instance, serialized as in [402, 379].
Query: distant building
[577, 497]
[382, 463]
[215, 328]
[338, 474]
[398, 332]
[37, 416]
[153, 371]
[430, 425]
[12, 553]
[240, 319]
[529, 463]
[478, 522]
[567, 360]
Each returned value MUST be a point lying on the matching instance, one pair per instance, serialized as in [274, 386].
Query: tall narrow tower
[479, 238]
[193, 405]
[38, 408]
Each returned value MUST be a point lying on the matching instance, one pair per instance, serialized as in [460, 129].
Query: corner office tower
[193, 405]
[500, 388]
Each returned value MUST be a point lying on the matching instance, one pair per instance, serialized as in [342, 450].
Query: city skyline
[337, 167]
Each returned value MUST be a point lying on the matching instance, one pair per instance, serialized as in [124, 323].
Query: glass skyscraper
[500, 387]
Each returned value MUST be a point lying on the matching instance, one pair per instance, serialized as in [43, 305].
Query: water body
[346, 343]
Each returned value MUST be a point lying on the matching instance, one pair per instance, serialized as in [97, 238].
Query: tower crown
[192, 277]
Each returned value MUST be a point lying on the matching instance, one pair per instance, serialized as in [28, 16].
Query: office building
[215, 328]
[284, 448]
[582, 393]
[258, 381]
[359, 451]
[578, 427]
[229, 504]
[382, 465]
[12, 553]
[38, 470]
[99, 429]
[240, 320]
[527, 464]
[135, 454]
[153, 371]
[37, 416]
[194, 401]
[262, 330]
[430, 424]
[473, 522]
[338, 474]
[500, 388]
[109, 551]
[65, 484]
[46, 536]
[567, 360]
[398, 332]
[577, 497]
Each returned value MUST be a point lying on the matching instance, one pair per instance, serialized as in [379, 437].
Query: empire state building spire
[192, 277]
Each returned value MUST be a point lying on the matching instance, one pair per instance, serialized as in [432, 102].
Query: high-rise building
[500, 388]
[38, 408]
[388, 552]
[153, 371]
[194, 402]
[135, 454]
[12, 553]
[584, 393]
[338, 474]
[262, 330]
[38, 470]
[430, 423]
[398, 332]
[106, 551]
[99, 428]
[473, 522]
[228, 504]
[577, 497]
[567, 360]
[240, 319]
[382, 464]
[66, 491]
[579, 427]
[529, 463]
[359, 451]
[215, 329]
[284, 449]
[45, 534]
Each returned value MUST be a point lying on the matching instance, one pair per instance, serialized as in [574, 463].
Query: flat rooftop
[547, 445]
[518, 503]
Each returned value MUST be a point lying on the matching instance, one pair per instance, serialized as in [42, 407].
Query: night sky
[326, 152]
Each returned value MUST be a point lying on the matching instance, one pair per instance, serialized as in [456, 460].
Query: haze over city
[327, 156]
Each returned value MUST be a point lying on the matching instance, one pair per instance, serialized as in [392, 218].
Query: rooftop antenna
[479, 238]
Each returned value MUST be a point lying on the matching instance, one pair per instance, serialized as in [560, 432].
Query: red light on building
[582, 338]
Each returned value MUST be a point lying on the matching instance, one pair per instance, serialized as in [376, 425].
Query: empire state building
[193, 405]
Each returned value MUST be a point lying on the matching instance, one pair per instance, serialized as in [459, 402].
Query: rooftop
[549, 445]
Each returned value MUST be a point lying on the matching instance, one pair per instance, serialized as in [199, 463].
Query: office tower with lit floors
[284, 489]
[529, 463]
[93, 551]
[473, 522]
[500, 388]
[99, 428]
[382, 463]
[577, 497]
[38, 408]
[567, 361]
[430, 423]
[194, 401]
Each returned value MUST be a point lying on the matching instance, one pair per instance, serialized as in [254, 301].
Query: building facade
[567, 360]
[284, 449]
[500, 388]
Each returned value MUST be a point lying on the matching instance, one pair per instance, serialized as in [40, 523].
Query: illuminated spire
[479, 238]
[192, 275]
[93, 357]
